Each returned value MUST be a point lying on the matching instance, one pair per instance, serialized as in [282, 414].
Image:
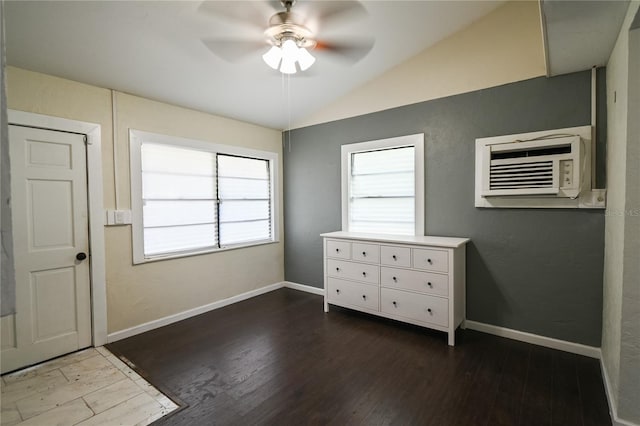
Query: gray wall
[534, 270]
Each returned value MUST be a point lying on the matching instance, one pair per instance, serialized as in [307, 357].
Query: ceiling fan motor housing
[284, 26]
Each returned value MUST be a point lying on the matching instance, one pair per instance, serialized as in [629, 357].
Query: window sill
[171, 256]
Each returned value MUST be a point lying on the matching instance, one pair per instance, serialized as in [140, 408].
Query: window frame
[138, 137]
[417, 142]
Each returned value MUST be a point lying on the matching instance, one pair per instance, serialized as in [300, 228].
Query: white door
[50, 232]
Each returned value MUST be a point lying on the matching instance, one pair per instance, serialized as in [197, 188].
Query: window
[244, 193]
[193, 197]
[383, 186]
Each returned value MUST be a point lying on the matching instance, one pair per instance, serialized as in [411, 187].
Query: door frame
[97, 267]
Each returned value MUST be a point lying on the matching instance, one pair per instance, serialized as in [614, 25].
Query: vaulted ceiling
[162, 49]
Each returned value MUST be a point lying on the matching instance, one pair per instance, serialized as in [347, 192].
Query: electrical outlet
[594, 199]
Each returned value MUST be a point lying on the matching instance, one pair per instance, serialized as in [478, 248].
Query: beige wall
[143, 293]
[619, 186]
[503, 47]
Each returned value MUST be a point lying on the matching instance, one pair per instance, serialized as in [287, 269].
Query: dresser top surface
[449, 242]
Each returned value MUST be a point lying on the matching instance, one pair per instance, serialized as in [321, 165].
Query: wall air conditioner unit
[553, 167]
[536, 170]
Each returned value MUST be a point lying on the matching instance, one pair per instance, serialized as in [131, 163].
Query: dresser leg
[452, 338]
[326, 307]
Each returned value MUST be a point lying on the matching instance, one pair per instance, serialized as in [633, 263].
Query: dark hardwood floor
[278, 359]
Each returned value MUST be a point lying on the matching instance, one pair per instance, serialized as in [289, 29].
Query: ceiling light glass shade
[289, 57]
[288, 66]
[290, 50]
[305, 59]
[273, 57]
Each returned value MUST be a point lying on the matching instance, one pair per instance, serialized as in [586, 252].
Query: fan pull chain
[289, 108]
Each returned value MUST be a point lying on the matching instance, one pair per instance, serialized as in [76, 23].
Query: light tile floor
[90, 387]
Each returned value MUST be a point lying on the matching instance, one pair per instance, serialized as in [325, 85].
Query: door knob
[81, 256]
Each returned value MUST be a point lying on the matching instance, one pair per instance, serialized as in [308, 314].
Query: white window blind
[192, 197]
[382, 191]
[244, 191]
[178, 199]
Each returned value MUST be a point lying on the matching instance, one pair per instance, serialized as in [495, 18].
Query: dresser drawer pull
[338, 269]
[429, 261]
[337, 250]
[395, 303]
[394, 257]
[364, 254]
[429, 284]
[364, 297]
[395, 279]
[429, 310]
[364, 274]
[338, 290]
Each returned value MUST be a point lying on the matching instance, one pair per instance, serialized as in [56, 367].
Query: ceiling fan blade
[252, 13]
[233, 50]
[346, 9]
[326, 15]
[352, 51]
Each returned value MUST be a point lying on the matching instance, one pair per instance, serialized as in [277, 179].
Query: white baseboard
[147, 326]
[535, 339]
[304, 287]
[613, 408]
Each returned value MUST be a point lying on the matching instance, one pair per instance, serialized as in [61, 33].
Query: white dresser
[415, 279]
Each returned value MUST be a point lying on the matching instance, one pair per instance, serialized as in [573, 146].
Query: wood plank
[595, 407]
[506, 409]
[536, 400]
[566, 406]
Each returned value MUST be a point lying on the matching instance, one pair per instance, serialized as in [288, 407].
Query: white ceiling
[157, 49]
[581, 34]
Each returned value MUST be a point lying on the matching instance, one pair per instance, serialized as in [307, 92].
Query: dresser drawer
[352, 271]
[418, 307]
[365, 252]
[431, 260]
[424, 282]
[395, 256]
[339, 249]
[343, 292]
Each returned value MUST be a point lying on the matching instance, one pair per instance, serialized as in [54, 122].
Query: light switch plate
[118, 217]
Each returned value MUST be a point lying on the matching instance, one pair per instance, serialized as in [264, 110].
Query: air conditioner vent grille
[532, 152]
[521, 175]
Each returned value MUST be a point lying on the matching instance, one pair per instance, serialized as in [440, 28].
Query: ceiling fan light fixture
[290, 40]
[273, 57]
[285, 56]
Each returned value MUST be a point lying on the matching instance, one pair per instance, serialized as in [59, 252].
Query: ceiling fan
[288, 36]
